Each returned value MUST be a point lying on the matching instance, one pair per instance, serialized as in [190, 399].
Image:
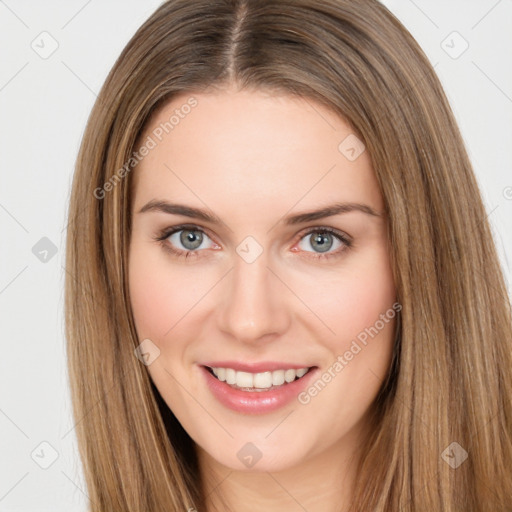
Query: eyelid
[167, 232]
[326, 229]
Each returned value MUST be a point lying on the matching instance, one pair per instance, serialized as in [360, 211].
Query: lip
[264, 366]
[256, 402]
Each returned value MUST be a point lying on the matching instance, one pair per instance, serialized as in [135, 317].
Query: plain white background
[45, 101]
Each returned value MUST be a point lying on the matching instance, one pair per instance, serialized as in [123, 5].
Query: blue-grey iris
[324, 241]
[195, 238]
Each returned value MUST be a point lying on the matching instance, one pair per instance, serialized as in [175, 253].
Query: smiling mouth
[264, 381]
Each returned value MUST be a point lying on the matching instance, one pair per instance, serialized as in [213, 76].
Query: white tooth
[302, 372]
[278, 377]
[244, 380]
[230, 376]
[263, 380]
[289, 375]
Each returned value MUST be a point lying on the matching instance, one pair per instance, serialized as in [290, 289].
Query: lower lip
[256, 402]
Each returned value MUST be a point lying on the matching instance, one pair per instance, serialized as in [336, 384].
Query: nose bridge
[254, 304]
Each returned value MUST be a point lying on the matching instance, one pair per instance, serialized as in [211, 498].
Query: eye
[187, 240]
[184, 240]
[322, 240]
[190, 239]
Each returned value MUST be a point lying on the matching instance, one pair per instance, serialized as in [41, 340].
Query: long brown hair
[450, 381]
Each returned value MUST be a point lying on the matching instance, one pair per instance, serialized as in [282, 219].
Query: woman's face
[263, 288]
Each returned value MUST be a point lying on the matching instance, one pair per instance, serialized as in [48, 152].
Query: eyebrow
[158, 205]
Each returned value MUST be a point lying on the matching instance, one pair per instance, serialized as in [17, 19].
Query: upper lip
[256, 367]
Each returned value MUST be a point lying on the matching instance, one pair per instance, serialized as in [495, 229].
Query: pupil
[322, 239]
[194, 238]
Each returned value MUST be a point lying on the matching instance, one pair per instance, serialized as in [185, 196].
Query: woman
[285, 292]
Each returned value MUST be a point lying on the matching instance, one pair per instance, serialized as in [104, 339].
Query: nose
[254, 302]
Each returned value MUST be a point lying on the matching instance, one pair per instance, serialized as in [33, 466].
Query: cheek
[365, 328]
[358, 307]
[157, 295]
[351, 298]
[363, 300]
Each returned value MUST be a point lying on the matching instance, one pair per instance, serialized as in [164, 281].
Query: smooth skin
[252, 159]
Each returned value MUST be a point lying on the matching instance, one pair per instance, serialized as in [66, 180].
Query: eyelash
[162, 236]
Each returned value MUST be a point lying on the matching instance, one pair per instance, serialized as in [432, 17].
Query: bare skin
[253, 159]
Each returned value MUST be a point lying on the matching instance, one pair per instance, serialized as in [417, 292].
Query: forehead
[253, 145]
